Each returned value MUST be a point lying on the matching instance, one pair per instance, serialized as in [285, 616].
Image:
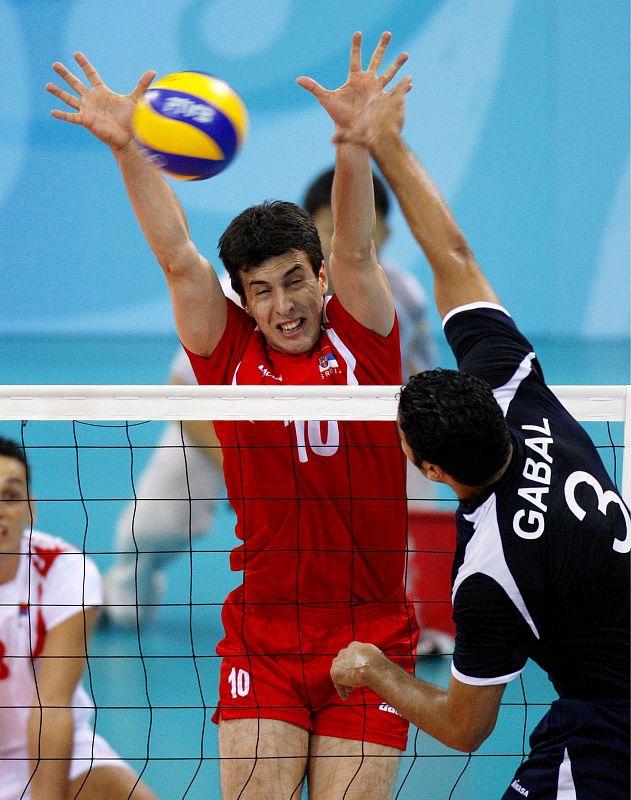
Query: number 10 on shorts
[239, 680]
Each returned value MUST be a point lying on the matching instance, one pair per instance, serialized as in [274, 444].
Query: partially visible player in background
[541, 569]
[49, 596]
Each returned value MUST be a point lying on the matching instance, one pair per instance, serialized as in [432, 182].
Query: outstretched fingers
[143, 83]
[377, 60]
[66, 116]
[319, 92]
[402, 87]
[377, 56]
[63, 95]
[71, 79]
[356, 52]
[90, 72]
[392, 70]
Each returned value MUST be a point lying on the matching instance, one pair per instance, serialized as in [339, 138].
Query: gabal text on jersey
[530, 522]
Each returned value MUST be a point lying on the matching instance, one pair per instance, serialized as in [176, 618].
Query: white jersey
[54, 581]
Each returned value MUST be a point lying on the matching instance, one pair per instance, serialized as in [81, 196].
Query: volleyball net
[88, 447]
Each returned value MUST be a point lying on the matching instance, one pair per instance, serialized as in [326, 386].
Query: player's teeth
[292, 327]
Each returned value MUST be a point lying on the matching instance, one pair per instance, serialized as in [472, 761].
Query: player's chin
[295, 348]
[296, 344]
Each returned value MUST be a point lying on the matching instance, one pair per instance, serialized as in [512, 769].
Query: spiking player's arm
[199, 303]
[457, 277]
[358, 280]
[461, 716]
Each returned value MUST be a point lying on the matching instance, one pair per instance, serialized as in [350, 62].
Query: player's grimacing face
[15, 509]
[285, 298]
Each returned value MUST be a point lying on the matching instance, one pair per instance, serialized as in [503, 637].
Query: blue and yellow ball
[191, 124]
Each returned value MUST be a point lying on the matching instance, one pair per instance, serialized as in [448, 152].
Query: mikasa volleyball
[191, 124]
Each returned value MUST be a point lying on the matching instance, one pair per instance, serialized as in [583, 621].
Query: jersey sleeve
[219, 367]
[487, 343]
[493, 641]
[379, 356]
[72, 584]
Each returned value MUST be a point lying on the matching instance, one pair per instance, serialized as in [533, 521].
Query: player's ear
[323, 278]
[244, 303]
[432, 472]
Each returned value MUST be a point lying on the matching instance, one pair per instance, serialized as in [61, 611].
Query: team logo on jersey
[44, 557]
[327, 363]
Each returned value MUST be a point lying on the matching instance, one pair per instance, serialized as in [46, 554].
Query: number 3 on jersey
[604, 498]
[239, 680]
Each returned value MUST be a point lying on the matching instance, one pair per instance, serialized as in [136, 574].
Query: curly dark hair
[11, 449]
[451, 419]
[318, 193]
[270, 229]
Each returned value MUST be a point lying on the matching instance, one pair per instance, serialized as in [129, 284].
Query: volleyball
[191, 124]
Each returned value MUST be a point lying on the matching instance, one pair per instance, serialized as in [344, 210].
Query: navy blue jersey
[541, 568]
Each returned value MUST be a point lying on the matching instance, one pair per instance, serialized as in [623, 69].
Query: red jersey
[320, 506]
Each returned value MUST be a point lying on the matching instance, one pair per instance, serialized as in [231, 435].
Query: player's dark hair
[318, 193]
[11, 449]
[451, 419]
[270, 229]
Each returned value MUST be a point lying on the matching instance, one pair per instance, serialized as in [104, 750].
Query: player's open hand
[352, 667]
[104, 113]
[346, 104]
[382, 116]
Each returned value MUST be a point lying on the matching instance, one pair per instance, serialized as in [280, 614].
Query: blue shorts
[579, 751]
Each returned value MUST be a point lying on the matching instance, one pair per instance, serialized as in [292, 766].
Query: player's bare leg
[352, 770]
[262, 759]
[109, 783]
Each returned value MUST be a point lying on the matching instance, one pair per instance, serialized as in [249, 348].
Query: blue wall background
[520, 111]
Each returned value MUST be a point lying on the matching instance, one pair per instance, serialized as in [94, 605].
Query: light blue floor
[155, 692]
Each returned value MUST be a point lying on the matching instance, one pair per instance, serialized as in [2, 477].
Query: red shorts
[273, 668]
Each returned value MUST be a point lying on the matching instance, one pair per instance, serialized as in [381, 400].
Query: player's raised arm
[358, 280]
[457, 277]
[199, 304]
